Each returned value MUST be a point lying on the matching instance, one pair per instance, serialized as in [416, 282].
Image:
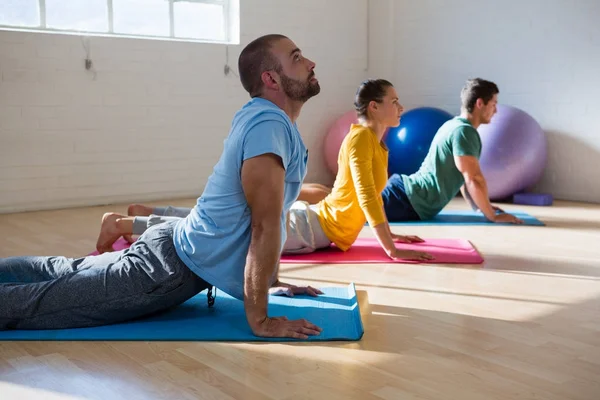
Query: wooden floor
[525, 325]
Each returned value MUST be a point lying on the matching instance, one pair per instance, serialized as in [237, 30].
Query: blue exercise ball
[409, 142]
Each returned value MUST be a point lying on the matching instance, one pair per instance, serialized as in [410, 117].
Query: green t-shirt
[438, 180]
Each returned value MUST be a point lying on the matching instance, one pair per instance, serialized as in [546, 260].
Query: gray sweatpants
[60, 292]
[159, 215]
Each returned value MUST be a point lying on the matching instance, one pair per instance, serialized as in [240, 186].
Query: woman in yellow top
[356, 194]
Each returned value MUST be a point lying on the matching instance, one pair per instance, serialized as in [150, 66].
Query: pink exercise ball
[334, 138]
[514, 152]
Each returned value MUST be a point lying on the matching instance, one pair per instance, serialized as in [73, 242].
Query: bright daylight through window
[204, 20]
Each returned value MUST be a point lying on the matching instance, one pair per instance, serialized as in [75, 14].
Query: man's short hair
[255, 59]
[477, 88]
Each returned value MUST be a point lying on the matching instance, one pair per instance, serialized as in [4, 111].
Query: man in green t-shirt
[451, 165]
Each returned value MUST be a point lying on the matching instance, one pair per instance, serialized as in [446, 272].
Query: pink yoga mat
[120, 244]
[368, 251]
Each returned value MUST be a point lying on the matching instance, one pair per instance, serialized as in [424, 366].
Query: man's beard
[300, 90]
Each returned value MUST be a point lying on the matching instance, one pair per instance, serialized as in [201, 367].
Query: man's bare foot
[139, 210]
[109, 232]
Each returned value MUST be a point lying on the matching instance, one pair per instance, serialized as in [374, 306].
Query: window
[82, 15]
[205, 20]
[142, 17]
[19, 12]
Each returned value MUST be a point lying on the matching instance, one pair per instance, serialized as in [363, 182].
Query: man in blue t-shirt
[231, 240]
[451, 165]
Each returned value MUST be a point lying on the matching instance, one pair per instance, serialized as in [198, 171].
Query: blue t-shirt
[213, 240]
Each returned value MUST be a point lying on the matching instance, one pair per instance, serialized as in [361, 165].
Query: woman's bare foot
[129, 238]
[109, 232]
[313, 194]
[317, 186]
[139, 210]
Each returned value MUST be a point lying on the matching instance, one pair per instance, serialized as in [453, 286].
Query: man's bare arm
[467, 196]
[263, 184]
[475, 184]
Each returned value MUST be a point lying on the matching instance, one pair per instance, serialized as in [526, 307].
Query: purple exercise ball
[514, 152]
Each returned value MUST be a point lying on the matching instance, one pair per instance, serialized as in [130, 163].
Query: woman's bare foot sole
[129, 238]
[109, 232]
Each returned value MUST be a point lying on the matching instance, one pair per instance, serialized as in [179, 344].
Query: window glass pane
[78, 15]
[141, 17]
[191, 19]
[199, 21]
[19, 13]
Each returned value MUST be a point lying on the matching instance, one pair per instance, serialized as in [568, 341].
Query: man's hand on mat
[411, 255]
[291, 290]
[406, 239]
[282, 327]
[503, 218]
[498, 209]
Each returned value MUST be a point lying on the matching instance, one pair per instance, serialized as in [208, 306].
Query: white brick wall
[544, 55]
[150, 123]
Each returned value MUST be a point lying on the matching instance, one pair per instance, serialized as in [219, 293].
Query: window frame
[42, 26]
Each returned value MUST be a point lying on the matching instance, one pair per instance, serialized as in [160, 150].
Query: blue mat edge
[51, 335]
[360, 329]
[530, 220]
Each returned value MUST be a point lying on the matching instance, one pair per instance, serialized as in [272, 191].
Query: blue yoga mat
[336, 312]
[468, 217]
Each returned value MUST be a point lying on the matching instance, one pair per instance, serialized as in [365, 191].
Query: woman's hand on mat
[406, 239]
[411, 255]
[291, 290]
[282, 327]
[503, 218]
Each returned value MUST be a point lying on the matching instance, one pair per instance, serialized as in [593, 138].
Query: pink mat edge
[310, 258]
[477, 257]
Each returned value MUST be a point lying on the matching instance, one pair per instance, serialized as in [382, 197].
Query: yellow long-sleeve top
[356, 194]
